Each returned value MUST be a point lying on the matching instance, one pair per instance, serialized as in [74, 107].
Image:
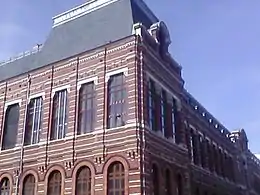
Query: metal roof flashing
[79, 11]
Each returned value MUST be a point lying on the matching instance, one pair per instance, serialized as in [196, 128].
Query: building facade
[101, 108]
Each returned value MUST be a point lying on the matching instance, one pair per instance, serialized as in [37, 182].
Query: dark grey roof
[109, 23]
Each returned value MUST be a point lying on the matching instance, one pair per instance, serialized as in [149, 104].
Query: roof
[80, 29]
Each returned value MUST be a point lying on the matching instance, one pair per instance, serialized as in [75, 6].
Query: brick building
[101, 108]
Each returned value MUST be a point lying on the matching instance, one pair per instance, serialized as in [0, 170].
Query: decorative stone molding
[99, 160]
[132, 154]
[121, 70]
[15, 172]
[67, 87]
[68, 165]
[42, 169]
[88, 80]
[7, 104]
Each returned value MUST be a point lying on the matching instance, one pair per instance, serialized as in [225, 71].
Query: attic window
[196, 107]
[203, 114]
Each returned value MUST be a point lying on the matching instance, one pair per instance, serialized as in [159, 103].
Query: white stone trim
[12, 103]
[178, 101]
[137, 29]
[88, 80]
[37, 95]
[60, 89]
[121, 70]
[79, 11]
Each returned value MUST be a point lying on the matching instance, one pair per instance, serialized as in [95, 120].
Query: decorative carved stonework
[132, 154]
[68, 165]
[161, 34]
[42, 169]
[99, 160]
[16, 172]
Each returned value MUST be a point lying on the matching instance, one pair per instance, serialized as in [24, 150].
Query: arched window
[168, 182]
[5, 187]
[11, 126]
[155, 178]
[54, 183]
[179, 185]
[116, 179]
[83, 181]
[29, 185]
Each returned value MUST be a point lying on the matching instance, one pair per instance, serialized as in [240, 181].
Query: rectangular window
[210, 159]
[34, 121]
[86, 108]
[196, 157]
[173, 122]
[11, 126]
[163, 112]
[59, 115]
[202, 151]
[151, 105]
[191, 147]
[116, 101]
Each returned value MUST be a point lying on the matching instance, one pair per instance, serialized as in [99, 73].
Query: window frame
[40, 120]
[115, 173]
[84, 97]
[87, 178]
[33, 189]
[58, 182]
[59, 107]
[7, 188]
[6, 126]
[118, 88]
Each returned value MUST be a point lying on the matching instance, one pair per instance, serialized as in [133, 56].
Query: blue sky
[216, 42]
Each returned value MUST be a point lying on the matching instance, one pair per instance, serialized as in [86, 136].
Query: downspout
[76, 110]
[49, 119]
[3, 116]
[104, 104]
[141, 122]
[23, 136]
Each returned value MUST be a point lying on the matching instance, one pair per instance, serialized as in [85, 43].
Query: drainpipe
[23, 136]
[76, 110]
[3, 116]
[104, 104]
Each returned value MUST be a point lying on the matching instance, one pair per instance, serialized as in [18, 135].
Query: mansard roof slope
[91, 25]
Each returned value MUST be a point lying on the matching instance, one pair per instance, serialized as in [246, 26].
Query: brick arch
[159, 172]
[49, 171]
[106, 166]
[25, 174]
[8, 176]
[177, 176]
[172, 178]
[75, 171]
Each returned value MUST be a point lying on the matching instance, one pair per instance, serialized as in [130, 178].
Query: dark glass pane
[11, 126]
[116, 98]
[86, 108]
[54, 183]
[5, 187]
[60, 115]
[116, 179]
[29, 185]
[83, 181]
[34, 120]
